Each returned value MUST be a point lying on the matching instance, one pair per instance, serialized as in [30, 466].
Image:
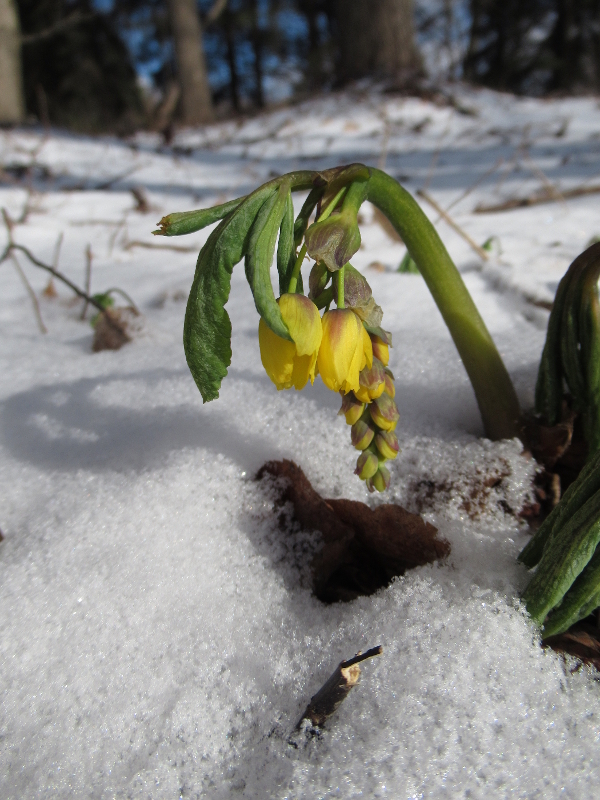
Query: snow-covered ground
[158, 636]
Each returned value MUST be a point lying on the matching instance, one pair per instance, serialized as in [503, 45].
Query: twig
[536, 199]
[335, 690]
[31, 293]
[385, 141]
[8, 251]
[116, 178]
[472, 187]
[180, 248]
[88, 277]
[539, 173]
[479, 250]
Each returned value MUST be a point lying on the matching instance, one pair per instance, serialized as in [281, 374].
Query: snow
[158, 635]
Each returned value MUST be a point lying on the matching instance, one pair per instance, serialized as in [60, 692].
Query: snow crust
[158, 636]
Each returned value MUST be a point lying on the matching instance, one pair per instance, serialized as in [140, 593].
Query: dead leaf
[364, 548]
[114, 328]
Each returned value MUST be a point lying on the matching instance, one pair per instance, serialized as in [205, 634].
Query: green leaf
[286, 252]
[207, 327]
[408, 265]
[565, 556]
[578, 493]
[581, 599]
[181, 222]
[549, 384]
[259, 257]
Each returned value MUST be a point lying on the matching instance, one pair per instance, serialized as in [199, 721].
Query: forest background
[103, 65]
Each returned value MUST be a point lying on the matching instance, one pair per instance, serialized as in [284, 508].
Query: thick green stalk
[495, 393]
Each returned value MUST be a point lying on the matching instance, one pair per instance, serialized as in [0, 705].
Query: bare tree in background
[377, 38]
[191, 65]
[11, 85]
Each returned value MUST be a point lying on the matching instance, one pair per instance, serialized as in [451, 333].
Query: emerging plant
[566, 585]
[347, 345]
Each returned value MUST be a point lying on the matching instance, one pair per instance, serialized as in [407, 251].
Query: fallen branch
[536, 199]
[447, 218]
[335, 690]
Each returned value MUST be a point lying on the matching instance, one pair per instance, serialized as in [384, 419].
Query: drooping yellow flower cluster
[373, 415]
[350, 361]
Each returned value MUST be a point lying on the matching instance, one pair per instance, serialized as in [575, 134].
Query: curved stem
[495, 393]
[339, 277]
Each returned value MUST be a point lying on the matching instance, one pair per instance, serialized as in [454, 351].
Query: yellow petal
[277, 356]
[341, 350]
[303, 321]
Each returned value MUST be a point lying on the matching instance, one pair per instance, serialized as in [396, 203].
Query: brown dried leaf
[364, 548]
[114, 328]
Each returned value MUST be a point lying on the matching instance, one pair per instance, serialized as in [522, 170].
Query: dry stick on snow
[11, 246]
[335, 690]
[551, 188]
[88, 277]
[479, 250]
[31, 293]
[536, 199]
[472, 187]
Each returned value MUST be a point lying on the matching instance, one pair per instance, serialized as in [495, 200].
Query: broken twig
[335, 690]
[536, 199]
[447, 218]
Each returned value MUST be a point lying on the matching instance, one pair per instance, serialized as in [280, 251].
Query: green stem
[293, 284]
[331, 206]
[339, 277]
[296, 271]
[495, 393]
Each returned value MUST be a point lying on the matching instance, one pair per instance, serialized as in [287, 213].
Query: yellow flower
[345, 350]
[292, 363]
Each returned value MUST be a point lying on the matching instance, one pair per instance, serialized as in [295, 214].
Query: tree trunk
[191, 65]
[231, 60]
[257, 46]
[12, 106]
[377, 39]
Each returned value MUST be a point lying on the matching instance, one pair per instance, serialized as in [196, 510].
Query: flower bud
[357, 291]
[351, 408]
[380, 480]
[384, 412]
[371, 382]
[362, 434]
[335, 240]
[367, 465]
[389, 384]
[381, 350]
[387, 444]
